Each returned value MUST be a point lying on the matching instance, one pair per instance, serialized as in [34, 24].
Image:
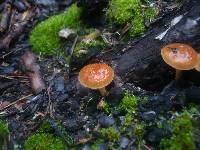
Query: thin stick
[15, 102]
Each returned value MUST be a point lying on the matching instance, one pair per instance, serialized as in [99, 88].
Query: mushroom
[96, 76]
[179, 56]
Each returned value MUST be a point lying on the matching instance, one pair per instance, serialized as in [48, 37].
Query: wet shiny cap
[179, 56]
[96, 76]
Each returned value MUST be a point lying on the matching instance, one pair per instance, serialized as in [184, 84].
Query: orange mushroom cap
[96, 76]
[179, 56]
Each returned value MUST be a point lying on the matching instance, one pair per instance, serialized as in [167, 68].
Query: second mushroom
[96, 76]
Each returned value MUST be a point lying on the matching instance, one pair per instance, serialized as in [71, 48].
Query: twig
[15, 102]
[13, 78]
[148, 148]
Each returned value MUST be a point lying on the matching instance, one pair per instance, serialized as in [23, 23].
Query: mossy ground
[4, 132]
[44, 142]
[45, 40]
[179, 132]
[46, 135]
[184, 131]
[44, 37]
[122, 12]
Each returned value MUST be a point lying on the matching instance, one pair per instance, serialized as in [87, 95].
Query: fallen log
[141, 63]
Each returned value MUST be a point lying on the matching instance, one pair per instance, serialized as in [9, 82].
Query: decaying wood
[17, 26]
[5, 17]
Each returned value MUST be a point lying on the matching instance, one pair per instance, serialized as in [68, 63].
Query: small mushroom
[179, 56]
[96, 76]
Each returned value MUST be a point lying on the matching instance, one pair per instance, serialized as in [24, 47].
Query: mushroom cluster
[96, 76]
[181, 57]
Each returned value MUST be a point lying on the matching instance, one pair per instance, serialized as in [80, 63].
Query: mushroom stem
[197, 66]
[178, 74]
[103, 91]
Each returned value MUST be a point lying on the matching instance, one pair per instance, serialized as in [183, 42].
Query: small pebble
[124, 141]
[106, 121]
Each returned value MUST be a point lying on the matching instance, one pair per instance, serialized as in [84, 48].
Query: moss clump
[128, 120]
[50, 126]
[182, 133]
[129, 11]
[44, 37]
[95, 145]
[179, 142]
[128, 104]
[4, 132]
[110, 133]
[106, 108]
[44, 142]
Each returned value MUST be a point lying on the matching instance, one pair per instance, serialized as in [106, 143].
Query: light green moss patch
[184, 127]
[44, 142]
[129, 11]
[44, 37]
[95, 145]
[4, 132]
[110, 134]
[128, 104]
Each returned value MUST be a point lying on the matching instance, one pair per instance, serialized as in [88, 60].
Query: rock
[106, 121]
[62, 97]
[72, 125]
[161, 104]
[149, 116]
[193, 95]
[86, 147]
[45, 3]
[67, 33]
[124, 141]
[103, 146]
[59, 84]
[154, 135]
[115, 95]
[20, 5]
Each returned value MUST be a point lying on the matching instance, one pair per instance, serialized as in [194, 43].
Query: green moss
[45, 127]
[44, 37]
[129, 11]
[150, 13]
[139, 129]
[54, 126]
[182, 124]
[95, 145]
[4, 132]
[128, 104]
[179, 142]
[182, 129]
[44, 142]
[3, 129]
[106, 108]
[128, 120]
[110, 134]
